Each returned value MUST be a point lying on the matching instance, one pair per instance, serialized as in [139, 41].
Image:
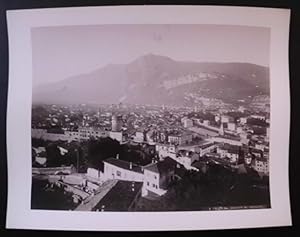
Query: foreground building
[157, 176]
[122, 170]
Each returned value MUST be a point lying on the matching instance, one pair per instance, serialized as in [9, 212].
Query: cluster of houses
[175, 150]
[157, 175]
[83, 133]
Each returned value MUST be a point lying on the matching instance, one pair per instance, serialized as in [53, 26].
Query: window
[118, 173]
[148, 183]
[155, 177]
[153, 185]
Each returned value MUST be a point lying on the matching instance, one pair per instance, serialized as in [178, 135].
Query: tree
[135, 154]
[54, 158]
[101, 149]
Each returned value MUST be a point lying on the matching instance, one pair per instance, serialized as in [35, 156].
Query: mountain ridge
[143, 81]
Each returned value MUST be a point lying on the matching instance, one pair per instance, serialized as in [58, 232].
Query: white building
[94, 173]
[187, 123]
[257, 116]
[180, 139]
[122, 170]
[166, 150]
[239, 130]
[227, 139]
[203, 131]
[226, 119]
[157, 176]
[243, 120]
[229, 151]
[73, 135]
[186, 158]
[139, 137]
[231, 126]
[206, 122]
[116, 123]
[260, 146]
[117, 136]
[262, 166]
[86, 133]
[207, 148]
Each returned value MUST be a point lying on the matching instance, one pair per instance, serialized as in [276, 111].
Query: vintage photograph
[150, 117]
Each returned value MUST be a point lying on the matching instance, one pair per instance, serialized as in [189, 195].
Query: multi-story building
[231, 126]
[186, 158]
[166, 150]
[86, 133]
[117, 136]
[157, 176]
[187, 123]
[116, 123]
[73, 135]
[180, 139]
[261, 165]
[139, 137]
[229, 151]
[226, 119]
[232, 140]
[207, 148]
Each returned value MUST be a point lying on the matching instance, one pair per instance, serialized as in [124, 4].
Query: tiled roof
[230, 148]
[162, 167]
[124, 164]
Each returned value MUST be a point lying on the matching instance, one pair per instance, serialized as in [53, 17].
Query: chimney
[130, 165]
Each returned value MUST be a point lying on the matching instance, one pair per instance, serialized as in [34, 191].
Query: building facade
[157, 177]
[166, 150]
[122, 170]
[180, 139]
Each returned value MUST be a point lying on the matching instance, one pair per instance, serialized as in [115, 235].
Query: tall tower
[116, 123]
[221, 130]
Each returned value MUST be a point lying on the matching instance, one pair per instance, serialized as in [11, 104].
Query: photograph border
[19, 214]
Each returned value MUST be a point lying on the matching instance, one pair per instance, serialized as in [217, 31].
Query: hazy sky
[61, 52]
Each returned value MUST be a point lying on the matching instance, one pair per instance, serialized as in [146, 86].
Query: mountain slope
[153, 79]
